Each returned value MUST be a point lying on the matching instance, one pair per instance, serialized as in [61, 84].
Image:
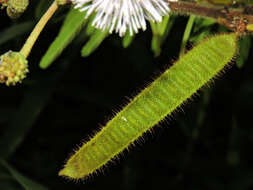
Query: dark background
[206, 146]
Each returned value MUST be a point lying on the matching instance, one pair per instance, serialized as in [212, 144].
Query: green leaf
[25, 182]
[244, 44]
[72, 25]
[35, 99]
[14, 31]
[127, 40]
[160, 32]
[187, 33]
[10, 185]
[201, 30]
[95, 40]
[41, 8]
[89, 29]
[201, 24]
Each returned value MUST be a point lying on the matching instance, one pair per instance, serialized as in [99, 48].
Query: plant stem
[237, 20]
[26, 49]
[189, 8]
[187, 33]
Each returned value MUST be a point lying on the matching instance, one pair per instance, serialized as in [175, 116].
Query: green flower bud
[13, 68]
[16, 7]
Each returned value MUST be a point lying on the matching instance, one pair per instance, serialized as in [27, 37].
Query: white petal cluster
[123, 15]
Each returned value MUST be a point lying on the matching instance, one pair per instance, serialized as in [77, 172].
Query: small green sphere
[16, 7]
[13, 68]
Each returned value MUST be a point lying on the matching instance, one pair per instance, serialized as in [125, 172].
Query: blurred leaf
[202, 24]
[4, 174]
[15, 31]
[72, 25]
[23, 119]
[205, 100]
[242, 179]
[22, 180]
[187, 33]
[244, 48]
[10, 185]
[195, 39]
[35, 99]
[127, 40]
[5, 113]
[95, 40]
[7, 181]
[89, 30]
[41, 7]
[160, 32]
[201, 30]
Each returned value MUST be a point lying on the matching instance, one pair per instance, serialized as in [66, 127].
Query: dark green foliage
[72, 25]
[245, 44]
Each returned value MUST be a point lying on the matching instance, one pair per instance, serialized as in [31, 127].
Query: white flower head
[123, 15]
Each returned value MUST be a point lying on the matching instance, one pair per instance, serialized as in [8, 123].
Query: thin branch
[237, 20]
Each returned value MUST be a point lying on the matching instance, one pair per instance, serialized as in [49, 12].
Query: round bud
[16, 7]
[13, 68]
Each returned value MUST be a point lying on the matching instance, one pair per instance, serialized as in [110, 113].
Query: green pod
[159, 99]
[15, 8]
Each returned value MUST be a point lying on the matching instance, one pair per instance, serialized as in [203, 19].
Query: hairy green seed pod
[161, 98]
[16, 8]
[13, 68]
